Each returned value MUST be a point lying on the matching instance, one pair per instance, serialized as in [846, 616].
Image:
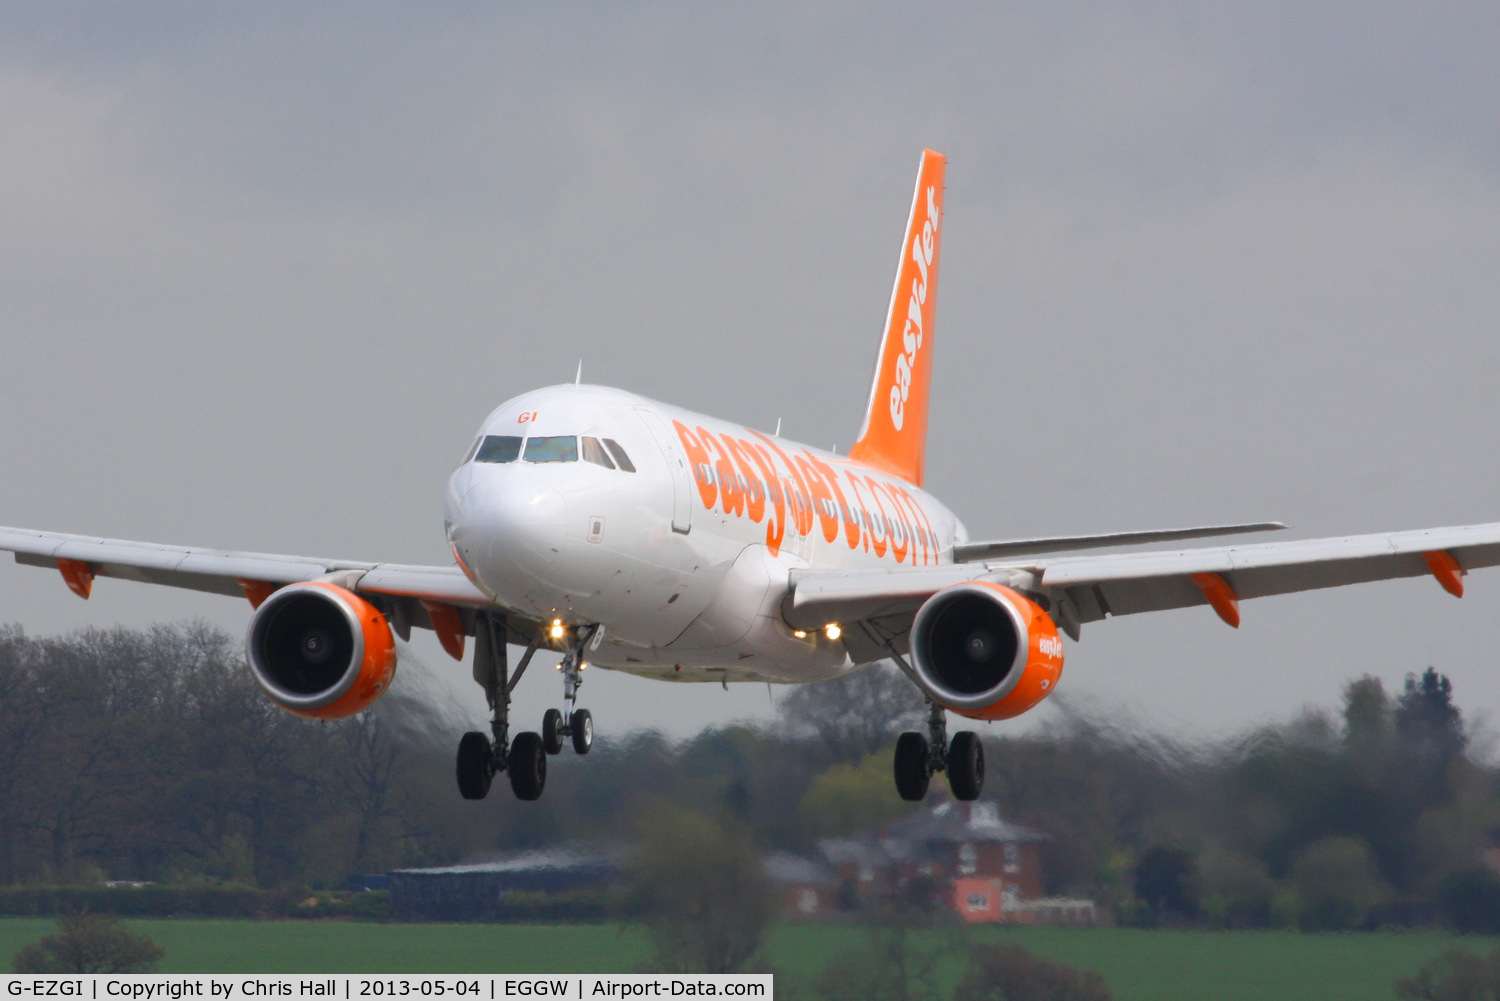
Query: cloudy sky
[264, 268]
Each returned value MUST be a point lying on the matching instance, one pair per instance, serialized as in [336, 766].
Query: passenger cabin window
[555, 448]
[498, 448]
[594, 452]
[621, 458]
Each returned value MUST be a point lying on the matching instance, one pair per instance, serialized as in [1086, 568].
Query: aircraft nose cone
[534, 522]
[509, 532]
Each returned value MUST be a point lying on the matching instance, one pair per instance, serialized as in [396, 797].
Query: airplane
[632, 535]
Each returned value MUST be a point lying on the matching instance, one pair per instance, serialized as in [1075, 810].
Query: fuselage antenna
[578, 378]
[777, 432]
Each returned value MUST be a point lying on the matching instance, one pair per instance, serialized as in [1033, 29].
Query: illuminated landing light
[583, 665]
[832, 631]
[801, 634]
[558, 632]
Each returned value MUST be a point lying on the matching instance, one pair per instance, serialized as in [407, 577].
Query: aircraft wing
[1088, 588]
[400, 589]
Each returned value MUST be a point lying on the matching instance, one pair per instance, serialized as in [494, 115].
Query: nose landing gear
[919, 755]
[570, 723]
[524, 758]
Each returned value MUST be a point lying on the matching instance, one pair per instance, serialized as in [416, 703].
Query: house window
[1012, 858]
[977, 901]
[968, 860]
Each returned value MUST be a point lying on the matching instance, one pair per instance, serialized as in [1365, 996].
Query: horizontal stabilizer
[973, 552]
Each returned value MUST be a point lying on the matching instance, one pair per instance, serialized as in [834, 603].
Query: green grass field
[1138, 965]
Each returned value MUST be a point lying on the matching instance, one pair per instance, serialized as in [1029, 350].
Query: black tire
[912, 767]
[527, 766]
[583, 731]
[966, 765]
[474, 765]
[552, 735]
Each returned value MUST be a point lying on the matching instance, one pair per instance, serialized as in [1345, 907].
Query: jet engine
[985, 651]
[320, 650]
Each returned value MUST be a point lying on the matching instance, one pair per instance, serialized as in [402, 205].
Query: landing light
[832, 631]
[800, 634]
[557, 629]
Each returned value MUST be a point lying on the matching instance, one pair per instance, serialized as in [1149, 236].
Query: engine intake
[320, 650]
[985, 651]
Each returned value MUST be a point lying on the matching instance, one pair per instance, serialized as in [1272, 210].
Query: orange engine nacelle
[320, 650]
[985, 651]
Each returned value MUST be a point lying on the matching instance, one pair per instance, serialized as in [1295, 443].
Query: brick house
[961, 856]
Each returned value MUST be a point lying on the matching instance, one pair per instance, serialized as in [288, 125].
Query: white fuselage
[685, 561]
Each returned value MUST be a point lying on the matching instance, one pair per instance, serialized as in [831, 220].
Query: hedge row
[195, 901]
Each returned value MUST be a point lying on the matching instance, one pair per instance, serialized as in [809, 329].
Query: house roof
[783, 867]
[960, 823]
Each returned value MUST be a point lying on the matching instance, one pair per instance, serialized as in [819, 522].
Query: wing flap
[973, 552]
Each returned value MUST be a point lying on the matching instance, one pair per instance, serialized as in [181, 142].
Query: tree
[1426, 718]
[1368, 724]
[847, 798]
[1456, 975]
[1010, 973]
[1336, 884]
[857, 714]
[1164, 880]
[90, 943]
[1469, 901]
[701, 888]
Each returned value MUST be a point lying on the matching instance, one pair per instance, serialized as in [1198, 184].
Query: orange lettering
[775, 527]
[755, 495]
[731, 497]
[698, 460]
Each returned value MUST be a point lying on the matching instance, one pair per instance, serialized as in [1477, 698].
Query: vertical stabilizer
[894, 435]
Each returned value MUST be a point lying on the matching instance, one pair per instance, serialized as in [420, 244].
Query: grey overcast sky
[264, 267]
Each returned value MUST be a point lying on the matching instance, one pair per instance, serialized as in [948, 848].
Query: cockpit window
[469, 452]
[594, 452]
[498, 448]
[619, 454]
[555, 448]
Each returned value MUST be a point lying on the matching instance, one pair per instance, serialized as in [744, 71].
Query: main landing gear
[919, 755]
[524, 758]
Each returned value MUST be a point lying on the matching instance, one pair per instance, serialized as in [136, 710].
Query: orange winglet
[255, 590]
[1220, 595]
[78, 575]
[1447, 571]
[448, 625]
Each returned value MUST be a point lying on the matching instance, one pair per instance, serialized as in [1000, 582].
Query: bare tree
[857, 714]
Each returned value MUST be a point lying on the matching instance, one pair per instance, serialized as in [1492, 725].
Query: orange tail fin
[894, 435]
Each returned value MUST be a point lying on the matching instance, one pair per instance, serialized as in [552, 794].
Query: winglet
[78, 575]
[894, 435]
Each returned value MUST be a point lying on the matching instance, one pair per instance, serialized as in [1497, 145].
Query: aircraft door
[682, 500]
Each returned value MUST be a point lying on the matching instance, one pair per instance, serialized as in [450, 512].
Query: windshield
[556, 448]
[498, 448]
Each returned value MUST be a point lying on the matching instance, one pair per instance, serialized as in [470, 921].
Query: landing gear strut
[480, 756]
[576, 724]
[919, 755]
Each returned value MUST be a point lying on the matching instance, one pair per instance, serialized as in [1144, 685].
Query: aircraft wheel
[474, 765]
[966, 765]
[527, 766]
[583, 731]
[912, 772]
[552, 735]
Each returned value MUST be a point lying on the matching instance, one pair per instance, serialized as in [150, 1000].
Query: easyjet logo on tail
[894, 436]
[923, 246]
